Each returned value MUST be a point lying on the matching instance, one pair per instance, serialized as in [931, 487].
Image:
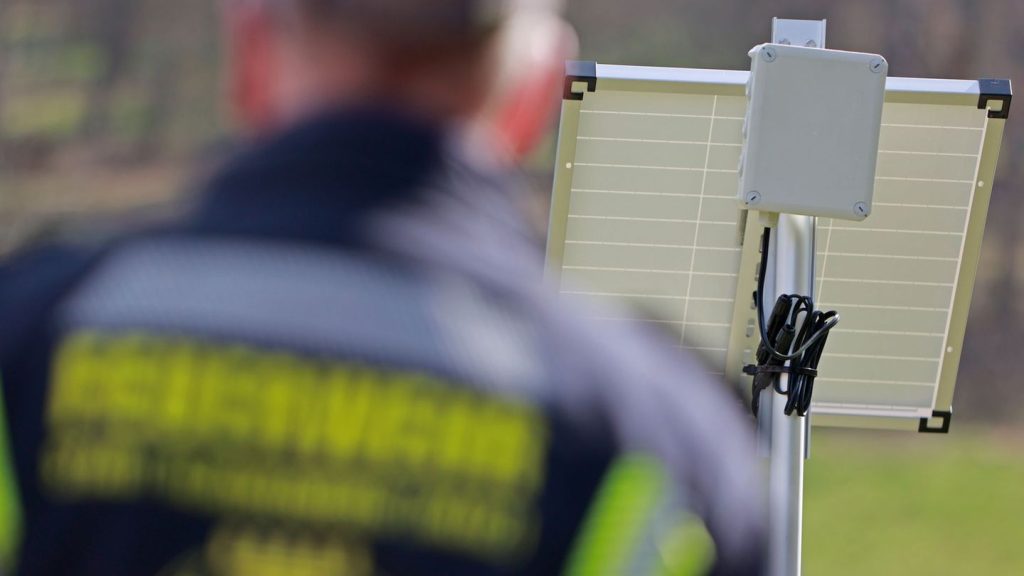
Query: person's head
[491, 61]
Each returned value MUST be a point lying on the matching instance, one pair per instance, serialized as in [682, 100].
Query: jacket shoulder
[32, 283]
[53, 258]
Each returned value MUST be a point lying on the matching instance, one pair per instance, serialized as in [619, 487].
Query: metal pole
[793, 248]
[794, 273]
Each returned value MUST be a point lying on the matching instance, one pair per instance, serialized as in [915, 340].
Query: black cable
[781, 342]
[760, 306]
[801, 381]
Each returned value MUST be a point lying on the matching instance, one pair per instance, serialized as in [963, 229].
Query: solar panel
[644, 211]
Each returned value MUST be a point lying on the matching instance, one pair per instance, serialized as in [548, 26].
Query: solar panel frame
[588, 80]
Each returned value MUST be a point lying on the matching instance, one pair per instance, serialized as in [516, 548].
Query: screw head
[753, 197]
[769, 54]
[861, 209]
[877, 65]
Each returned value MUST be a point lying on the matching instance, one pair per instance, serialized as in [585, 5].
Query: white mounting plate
[809, 33]
[811, 132]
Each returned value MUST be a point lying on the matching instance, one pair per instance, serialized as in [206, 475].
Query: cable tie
[754, 370]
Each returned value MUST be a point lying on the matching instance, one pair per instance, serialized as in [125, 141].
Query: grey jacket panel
[628, 384]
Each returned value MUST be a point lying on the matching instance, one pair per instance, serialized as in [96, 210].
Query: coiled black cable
[782, 342]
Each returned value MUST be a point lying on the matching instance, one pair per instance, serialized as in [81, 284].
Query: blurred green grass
[907, 505]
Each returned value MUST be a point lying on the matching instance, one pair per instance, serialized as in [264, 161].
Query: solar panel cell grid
[652, 215]
[893, 277]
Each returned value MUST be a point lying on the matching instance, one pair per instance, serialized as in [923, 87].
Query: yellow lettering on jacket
[224, 429]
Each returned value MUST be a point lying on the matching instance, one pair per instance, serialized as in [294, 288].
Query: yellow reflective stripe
[687, 550]
[619, 518]
[10, 503]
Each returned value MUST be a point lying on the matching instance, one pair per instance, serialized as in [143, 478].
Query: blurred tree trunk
[112, 25]
[1004, 222]
[160, 98]
[3, 85]
[5, 48]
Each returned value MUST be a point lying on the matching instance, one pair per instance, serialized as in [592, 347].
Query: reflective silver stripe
[308, 299]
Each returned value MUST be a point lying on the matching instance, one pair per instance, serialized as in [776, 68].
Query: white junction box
[810, 138]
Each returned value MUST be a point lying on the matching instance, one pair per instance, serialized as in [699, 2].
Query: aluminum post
[794, 272]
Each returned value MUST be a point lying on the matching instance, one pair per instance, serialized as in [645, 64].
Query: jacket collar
[318, 180]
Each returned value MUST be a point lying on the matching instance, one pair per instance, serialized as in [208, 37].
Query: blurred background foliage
[109, 106]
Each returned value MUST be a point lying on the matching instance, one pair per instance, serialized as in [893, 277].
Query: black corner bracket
[943, 429]
[579, 71]
[995, 89]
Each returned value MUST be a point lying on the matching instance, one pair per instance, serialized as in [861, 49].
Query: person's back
[343, 360]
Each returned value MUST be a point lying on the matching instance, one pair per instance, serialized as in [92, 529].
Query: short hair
[406, 31]
[431, 17]
[414, 21]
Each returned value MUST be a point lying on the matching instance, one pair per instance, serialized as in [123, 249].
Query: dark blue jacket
[343, 361]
